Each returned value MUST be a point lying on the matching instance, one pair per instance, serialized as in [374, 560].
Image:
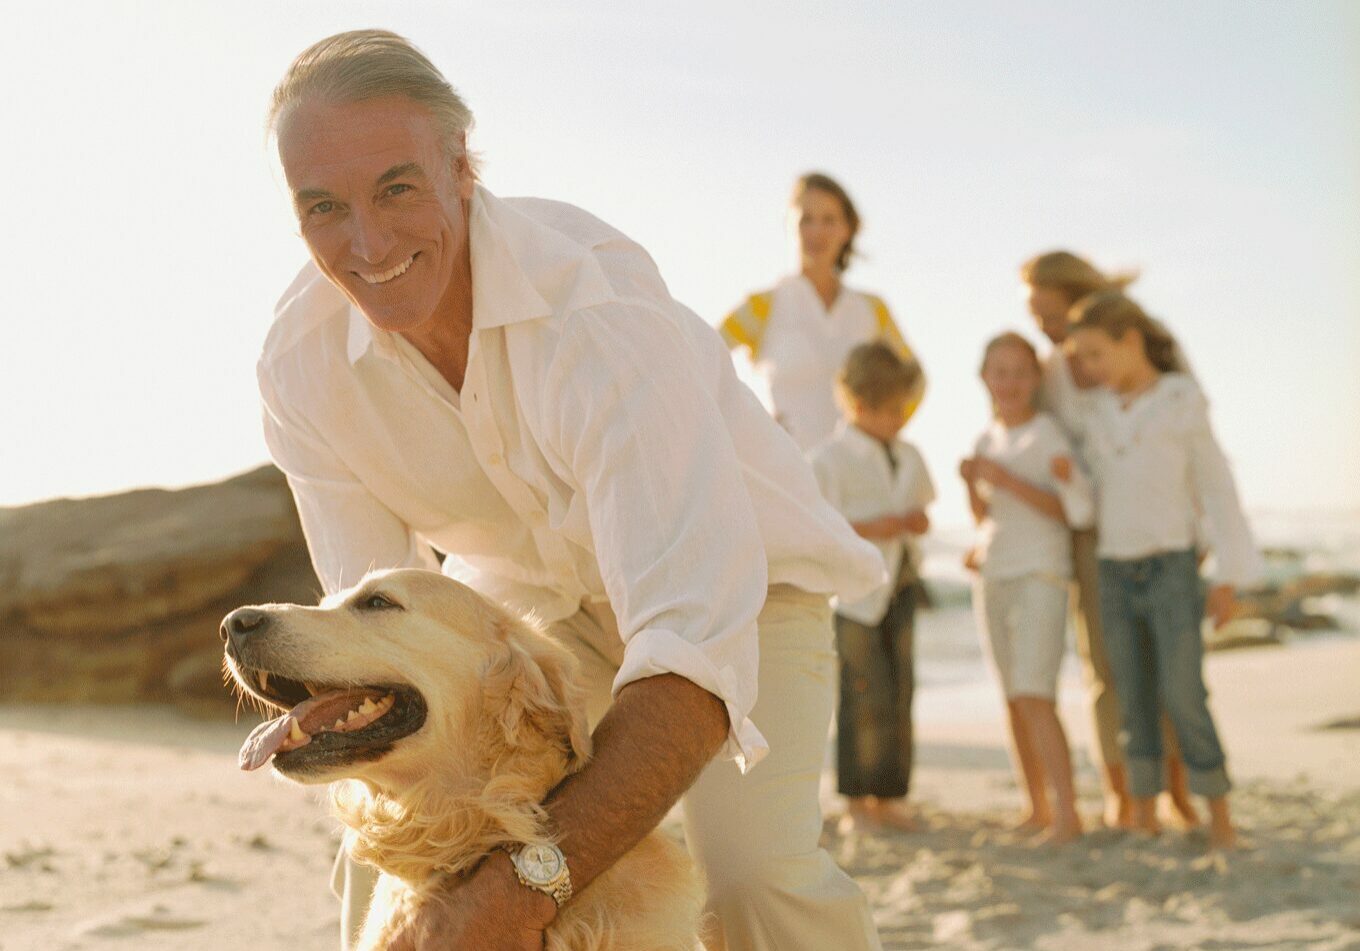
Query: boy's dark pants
[874, 747]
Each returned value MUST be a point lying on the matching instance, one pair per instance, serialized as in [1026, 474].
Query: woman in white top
[1159, 469]
[1025, 491]
[799, 333]
[1054, 281]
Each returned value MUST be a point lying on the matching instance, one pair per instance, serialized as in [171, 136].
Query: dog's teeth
[339, 724]
[295, 732]
[351, 716]
[264, 681]
[367, 706]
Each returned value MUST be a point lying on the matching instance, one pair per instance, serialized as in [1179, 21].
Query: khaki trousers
[1095, 663]
[770, 886]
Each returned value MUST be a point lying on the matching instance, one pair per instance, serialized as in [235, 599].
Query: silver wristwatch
[542, 868]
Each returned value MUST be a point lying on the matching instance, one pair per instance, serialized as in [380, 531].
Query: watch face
[539, 863]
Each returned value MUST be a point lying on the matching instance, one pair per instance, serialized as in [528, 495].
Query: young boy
[880, 484]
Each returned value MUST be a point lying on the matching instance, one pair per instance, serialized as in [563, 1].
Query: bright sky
[1214, 145]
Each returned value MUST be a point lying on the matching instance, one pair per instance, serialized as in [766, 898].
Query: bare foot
[1063, 832]
[1118, 813]
[1222, 837]
[1032, 823]
[860, 815]
[1145, 817]
[896, 814]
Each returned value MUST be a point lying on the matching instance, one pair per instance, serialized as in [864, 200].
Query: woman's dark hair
[818, 181]
[1115, 315]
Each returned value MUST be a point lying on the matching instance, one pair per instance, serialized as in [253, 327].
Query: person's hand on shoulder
[1061, 467]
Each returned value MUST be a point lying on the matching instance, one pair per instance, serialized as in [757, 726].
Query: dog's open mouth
[324, 726]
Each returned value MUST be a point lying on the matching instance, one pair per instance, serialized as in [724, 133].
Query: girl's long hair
[1115, 315]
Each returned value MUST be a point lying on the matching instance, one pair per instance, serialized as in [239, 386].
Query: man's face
[380, 204]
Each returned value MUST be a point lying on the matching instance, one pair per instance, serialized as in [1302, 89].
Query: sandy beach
[132, 827]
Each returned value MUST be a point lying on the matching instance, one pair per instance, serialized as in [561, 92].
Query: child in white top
[1159, 469]
[1026, 493]
[880, 484]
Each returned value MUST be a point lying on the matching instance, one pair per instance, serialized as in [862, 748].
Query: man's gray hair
[370, 64]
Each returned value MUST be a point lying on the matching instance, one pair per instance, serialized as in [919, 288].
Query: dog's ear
[542, 698]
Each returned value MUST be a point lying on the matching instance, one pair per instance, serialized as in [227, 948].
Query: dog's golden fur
[505, 724]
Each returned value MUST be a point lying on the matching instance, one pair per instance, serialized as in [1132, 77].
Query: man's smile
[382, 277]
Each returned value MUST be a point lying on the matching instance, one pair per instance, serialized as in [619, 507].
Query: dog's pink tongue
[263, 742]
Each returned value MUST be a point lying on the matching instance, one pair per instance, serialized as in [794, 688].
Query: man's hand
[488, 910]
[1221, 604]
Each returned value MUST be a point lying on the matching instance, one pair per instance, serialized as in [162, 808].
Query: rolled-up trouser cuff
[1210, 783]
[1147, 776]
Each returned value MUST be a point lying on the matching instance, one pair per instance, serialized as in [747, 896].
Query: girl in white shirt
[798, 334]
[1159, 470]
[1025, 492]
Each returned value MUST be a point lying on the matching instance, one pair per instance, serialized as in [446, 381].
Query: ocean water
[1295, 543]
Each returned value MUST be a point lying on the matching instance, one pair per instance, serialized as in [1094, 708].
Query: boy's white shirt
[853, 472]
[1016, 539]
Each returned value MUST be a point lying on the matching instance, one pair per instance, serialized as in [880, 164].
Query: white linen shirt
[1158, 468]
[853, 472]
[601, 447]
[1017, 539]
[802, 347]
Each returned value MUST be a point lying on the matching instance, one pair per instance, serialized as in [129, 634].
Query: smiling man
[510, 381]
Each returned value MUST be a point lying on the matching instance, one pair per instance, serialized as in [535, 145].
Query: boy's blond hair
[873, 374]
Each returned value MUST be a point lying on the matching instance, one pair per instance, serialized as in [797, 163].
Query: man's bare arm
[649, 749]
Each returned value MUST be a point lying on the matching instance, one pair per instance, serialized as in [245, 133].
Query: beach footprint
[129, 925]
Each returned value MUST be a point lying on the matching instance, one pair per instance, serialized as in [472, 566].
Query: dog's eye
[377, 602]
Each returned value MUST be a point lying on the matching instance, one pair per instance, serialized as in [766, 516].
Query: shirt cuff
[652, 652]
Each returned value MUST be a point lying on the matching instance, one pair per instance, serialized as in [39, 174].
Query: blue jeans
[874, 742]
[1151, 609]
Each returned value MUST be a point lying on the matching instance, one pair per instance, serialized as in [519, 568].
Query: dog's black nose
[242, 623]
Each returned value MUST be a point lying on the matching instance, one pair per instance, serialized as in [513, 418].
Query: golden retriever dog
[443, 720]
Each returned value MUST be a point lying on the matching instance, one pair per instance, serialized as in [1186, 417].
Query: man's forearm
[650, 747]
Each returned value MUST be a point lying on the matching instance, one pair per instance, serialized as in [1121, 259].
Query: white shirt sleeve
[1212, 484]
[674, 530]
[825, 469]
[1076, 494]
[923, 487]
[348, 531]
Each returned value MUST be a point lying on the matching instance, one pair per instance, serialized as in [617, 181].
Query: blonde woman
[798, 333]
[1054, 282]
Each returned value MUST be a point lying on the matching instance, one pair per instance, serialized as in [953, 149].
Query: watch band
[559, 891]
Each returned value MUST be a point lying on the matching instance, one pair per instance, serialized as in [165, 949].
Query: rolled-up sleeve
[675, 534]
[1237, 560]
[349, 532]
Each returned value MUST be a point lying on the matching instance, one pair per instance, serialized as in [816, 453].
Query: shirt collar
[364, 337]
[521, 270]
[862, 442]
